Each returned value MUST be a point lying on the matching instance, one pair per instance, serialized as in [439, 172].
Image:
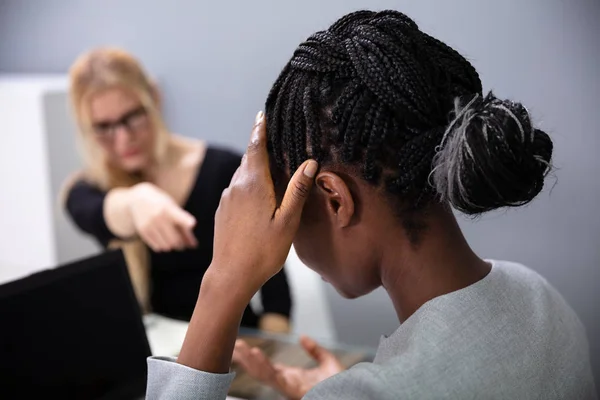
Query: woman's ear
[338, 198]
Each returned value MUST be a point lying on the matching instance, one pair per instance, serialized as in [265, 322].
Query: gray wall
[217, 60]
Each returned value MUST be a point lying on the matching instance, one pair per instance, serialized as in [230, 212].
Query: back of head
[406, 113]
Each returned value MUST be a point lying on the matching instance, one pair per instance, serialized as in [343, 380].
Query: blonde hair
[93, 72]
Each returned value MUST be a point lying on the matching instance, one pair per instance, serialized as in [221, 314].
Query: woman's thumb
[317, 352]
[297, 191]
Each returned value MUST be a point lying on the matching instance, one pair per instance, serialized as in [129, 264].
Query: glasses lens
[103, 130]
[136, 120]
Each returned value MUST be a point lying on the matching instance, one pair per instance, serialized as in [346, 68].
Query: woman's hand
[160, 222]
[274, 323]
[252, 240]
[291, 382]
[252, 235]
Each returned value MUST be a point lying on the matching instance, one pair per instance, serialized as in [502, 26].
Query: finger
[266, 371]
[289, 381]
[149, 239]
[160, 240]
[296, 193]
[182, 217]
[188, 237]
[240, 352]
[155, 240]
[243, 356]
[254, 362]
[318, 353]
[185, 226]
[241, 347]
[174, 239]
[257, 157]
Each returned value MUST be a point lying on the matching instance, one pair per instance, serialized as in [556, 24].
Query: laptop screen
[74, 332]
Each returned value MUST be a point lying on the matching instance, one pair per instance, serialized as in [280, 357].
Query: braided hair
[407, 113]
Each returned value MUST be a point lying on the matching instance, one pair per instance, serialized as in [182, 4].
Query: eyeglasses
[132, 121]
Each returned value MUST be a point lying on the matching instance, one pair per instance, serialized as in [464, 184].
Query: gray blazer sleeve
[168, 380]
[362, 381]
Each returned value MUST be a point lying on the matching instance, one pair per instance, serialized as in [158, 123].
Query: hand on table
[292, 382]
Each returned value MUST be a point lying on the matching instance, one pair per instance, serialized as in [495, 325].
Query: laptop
[73, 332]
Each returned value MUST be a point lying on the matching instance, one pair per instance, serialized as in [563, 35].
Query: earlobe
[339, 199]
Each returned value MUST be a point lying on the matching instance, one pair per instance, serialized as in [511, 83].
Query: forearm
[117, 212]
[213, 329]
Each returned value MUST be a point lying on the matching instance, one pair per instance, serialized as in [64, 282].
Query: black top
[176, 275]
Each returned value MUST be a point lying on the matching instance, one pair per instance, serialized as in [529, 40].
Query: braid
[275, 101]
[344, 120]
[377, 135]
[354, 127]
[288, 125]
[375, 92]
[368, 126]
[299, 121]
[312, 125]
[462, 77]
[347, 98]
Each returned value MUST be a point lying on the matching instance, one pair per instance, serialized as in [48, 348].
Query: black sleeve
[85, 205]
[276, 296]
[231, 163]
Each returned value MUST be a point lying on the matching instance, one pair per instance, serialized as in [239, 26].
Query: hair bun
[490, 156]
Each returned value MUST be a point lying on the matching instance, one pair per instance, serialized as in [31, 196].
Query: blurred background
[215, 62]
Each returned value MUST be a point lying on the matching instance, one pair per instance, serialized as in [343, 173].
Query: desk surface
[166, 337]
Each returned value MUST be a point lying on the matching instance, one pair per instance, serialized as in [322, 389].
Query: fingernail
[311, 169]
[259, 117]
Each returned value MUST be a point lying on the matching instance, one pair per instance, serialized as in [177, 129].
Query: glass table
[166, 337]
[286, 350]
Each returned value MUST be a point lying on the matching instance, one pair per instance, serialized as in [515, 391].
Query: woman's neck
[442, 262]
[174, 150]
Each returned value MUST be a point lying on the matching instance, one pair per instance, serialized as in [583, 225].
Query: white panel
[26, 229]
[311, 313]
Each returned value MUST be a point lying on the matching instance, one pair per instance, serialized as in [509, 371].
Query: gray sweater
[509, 336]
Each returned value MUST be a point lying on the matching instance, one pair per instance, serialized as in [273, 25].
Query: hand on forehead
[249, 212]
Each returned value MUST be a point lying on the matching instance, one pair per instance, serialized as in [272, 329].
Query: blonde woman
[151, 192]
